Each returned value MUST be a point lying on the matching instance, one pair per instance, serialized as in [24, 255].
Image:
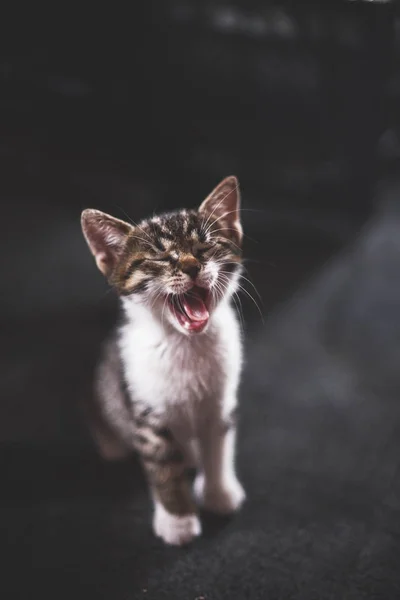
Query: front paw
[174, 529]
[224, 498]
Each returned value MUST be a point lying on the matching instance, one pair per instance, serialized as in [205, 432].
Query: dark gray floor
[319, 442]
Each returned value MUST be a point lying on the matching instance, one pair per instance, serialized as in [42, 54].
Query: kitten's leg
[107, 412]
[192, 454]
[216, 486]
[175, 516]
[108, 444]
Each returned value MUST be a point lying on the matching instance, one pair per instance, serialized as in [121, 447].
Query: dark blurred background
[145, 110]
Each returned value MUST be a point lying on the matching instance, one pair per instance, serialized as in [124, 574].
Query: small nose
[192, 271]
[190, 266]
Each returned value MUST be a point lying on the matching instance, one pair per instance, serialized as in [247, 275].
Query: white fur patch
[223, 498]
[187, 378]
[191, 381]
[173, 529]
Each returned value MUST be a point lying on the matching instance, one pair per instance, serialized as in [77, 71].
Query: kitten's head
[179, 265]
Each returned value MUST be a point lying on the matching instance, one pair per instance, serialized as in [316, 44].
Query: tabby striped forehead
[169, 235]
[165, 234]
[178, 229]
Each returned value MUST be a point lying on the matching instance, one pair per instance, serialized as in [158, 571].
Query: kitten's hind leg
[107, 409]
[192, 454]
[110, 447]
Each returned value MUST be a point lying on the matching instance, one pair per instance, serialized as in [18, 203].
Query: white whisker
[253, 286]
[239, 309]
[163, 309]
[223, 262]
[156, 297]
[224, 287]
[224, 274]
[137, 237]
[134, 223]
[225, 214]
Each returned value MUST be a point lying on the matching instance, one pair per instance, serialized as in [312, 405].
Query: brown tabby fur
[183, 240]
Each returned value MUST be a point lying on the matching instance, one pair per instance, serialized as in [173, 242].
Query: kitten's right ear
[222, 206]
[106, 237]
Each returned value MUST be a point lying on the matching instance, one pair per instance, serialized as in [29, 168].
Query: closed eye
[162, 258]
[201, 249]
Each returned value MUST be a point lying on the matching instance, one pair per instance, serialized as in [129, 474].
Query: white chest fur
[184, 377]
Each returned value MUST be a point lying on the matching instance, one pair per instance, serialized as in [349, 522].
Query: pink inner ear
[102, 257]
[224, 200]
[106, 237]
[102, 261]
[223, 205]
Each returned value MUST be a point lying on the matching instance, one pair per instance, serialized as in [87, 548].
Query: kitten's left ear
[106, 237]
[222, 207]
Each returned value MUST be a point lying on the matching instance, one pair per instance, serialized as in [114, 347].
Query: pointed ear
[222, 207]
[106, 238]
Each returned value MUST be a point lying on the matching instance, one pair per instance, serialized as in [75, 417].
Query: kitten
[167, 382]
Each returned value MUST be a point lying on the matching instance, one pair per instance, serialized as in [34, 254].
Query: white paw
[173, 529]
[224, 499]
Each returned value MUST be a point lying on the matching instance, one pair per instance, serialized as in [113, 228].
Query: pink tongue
[195, 308]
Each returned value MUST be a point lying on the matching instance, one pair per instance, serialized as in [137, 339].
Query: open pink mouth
[191, 309]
